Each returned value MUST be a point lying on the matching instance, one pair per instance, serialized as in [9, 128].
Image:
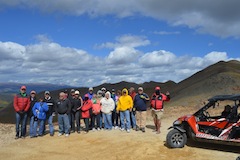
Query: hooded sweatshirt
[125, 102]
[108, 105]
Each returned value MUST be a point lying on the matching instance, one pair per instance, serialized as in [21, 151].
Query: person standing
[90, 93]
[108, 106]
[51, 111]
[125, 104]
[71, 97]
[39, 111]
[63, 108]
[33, 100]
[114, 113]
[96, 108]
[103, 91]
[87, 106]
[132, 93]
[157, 102]
[21, 104]
[140, 103]
[76, 107]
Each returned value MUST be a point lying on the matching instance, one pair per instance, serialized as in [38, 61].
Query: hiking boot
[137, 128]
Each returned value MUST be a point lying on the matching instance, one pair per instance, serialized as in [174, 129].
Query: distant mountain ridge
[11, 87]
[219, 78]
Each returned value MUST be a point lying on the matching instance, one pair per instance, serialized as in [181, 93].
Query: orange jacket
[21, 103]
[87, 105]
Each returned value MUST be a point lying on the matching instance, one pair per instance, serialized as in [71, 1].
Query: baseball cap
[86, 95]
[113, 90]
[77, 92]
[47, 92]
[24, 87]
[157, 88]
[90, 89]
[103, 89]
[72, 90]
[140, 88]
[33, 92]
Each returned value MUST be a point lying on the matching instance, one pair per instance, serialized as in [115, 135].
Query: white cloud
[220, 18]
[48, 61]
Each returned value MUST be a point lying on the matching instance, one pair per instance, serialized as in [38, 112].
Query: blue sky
[86, 43]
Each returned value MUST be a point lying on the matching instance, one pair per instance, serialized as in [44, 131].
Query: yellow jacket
[125, 102]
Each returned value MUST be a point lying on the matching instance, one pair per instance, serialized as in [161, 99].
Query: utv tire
[176, 139]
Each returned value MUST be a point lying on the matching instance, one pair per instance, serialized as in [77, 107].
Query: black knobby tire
[176, 139]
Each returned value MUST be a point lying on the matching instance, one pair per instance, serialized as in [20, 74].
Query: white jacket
[107, 104]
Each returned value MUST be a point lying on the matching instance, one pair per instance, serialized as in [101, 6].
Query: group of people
[124, 109]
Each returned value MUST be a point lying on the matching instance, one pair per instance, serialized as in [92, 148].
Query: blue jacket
[140, 103]
[39, 110]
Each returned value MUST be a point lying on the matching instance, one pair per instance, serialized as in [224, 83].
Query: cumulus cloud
[220, 18]
[48, 61]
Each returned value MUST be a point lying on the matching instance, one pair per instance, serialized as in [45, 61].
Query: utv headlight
[177, 122]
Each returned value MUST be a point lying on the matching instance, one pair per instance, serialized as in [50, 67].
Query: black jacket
[51, 106]
[63, 106]
[32, 102]
[76, 103]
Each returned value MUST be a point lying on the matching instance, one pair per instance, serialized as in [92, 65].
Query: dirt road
[114, 145]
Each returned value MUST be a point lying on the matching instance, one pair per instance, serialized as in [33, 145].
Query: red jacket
[157, 101]
[21, 103]
[87, 105]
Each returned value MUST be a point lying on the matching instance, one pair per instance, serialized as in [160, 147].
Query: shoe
[143, 130]
[98, 129]
[93, 129]
[116, 127]
[137, 128]
[51, 134]
[60, 134]
[16, 137]
[67, 135]
[23, 137]
[128, 130]
[122, 129]
[78, 132]
[134, 128]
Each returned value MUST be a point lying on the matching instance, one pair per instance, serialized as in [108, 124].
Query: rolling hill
[220, 78]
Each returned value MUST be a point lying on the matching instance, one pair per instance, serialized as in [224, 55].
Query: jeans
[133, 119]
[21, 119]
[63, 122]
[96, 120]
[41, 123]
[125, 115]
[76, 117]
[50, 124]
[70, 121]
[86, 121]
[115, 117]
[101, 120]
[107, 120]
[31, 126]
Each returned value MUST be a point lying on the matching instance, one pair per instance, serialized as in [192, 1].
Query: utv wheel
[176, 139]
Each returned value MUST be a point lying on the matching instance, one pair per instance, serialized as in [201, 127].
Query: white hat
[90, 89]
[77, 92]
[140, 88]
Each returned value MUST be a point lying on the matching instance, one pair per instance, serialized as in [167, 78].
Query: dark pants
[75, 118]
[115, 118]
[86, 121]
[21, 119]
[96, 120]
